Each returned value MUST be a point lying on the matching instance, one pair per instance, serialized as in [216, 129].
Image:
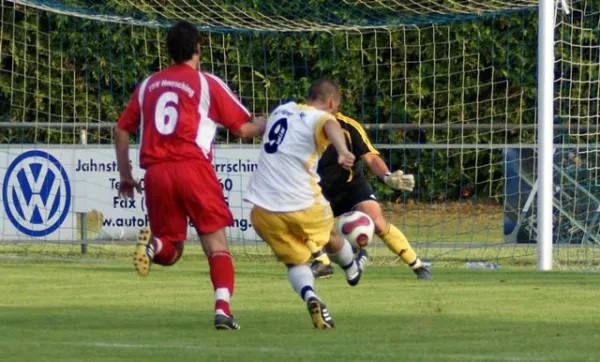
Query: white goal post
[545, 131]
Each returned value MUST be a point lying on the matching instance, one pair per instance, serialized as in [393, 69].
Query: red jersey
[178, 109]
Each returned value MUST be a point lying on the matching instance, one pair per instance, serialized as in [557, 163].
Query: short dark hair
[182, 41]
[322, 90]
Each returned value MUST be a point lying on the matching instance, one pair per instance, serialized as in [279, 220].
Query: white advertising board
[44, 189]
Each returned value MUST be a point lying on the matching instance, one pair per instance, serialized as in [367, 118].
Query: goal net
[445, 90]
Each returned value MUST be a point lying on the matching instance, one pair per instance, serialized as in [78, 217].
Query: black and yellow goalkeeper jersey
[333, 175]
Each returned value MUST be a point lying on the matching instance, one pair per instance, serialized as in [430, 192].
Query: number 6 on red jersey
[177, 110]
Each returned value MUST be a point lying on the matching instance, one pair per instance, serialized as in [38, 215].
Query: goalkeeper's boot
[361, 259]
[319, 314]
[321, 270]
[144, 252]
[224, 322]
[423, 273]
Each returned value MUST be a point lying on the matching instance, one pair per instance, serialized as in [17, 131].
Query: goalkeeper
[349, 190]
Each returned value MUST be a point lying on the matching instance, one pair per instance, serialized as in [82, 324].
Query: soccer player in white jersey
[289, 209]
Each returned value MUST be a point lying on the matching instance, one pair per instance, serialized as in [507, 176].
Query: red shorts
[176, 191]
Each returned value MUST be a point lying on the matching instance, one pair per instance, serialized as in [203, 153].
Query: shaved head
[323, 91]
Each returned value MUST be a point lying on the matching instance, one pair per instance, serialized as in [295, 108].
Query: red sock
[222, 276]
[165, 252]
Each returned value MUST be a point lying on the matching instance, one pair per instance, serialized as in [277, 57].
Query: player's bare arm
[254, 128]
[127, 183]
[376, 164]
[334, 133]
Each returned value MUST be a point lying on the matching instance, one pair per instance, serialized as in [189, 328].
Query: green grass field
[101, 311]
[448, 222]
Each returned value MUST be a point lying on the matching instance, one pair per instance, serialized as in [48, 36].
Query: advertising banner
[49, 192]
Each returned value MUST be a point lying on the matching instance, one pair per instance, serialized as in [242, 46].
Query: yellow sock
[397, 243]
[318, 253]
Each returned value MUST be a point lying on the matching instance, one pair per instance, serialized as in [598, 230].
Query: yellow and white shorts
[288, 233]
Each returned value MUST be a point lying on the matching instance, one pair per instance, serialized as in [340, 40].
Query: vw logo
[36, 193]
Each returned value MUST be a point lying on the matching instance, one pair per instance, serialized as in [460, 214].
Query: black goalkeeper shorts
[344, 198]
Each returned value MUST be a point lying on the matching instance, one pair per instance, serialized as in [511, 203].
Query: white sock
[345, 259]
[417, 264]
[155, 246]
[302, 280]
[224, 295]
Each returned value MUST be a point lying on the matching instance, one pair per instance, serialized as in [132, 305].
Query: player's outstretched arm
[231, 113]
[396, 180]
[254, 128]
[376, 164]
[335, 135]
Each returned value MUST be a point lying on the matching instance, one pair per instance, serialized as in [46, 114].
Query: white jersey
[286, 179]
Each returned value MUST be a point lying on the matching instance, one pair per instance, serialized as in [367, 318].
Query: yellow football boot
[144, 251]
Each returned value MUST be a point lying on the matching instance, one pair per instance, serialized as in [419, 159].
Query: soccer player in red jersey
[177, 110]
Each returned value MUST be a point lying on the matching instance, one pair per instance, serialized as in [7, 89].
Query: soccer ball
[356, 227]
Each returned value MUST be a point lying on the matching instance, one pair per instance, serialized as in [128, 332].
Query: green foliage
[68, 70]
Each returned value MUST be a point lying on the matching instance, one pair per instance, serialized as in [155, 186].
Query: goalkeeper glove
[399, 181]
